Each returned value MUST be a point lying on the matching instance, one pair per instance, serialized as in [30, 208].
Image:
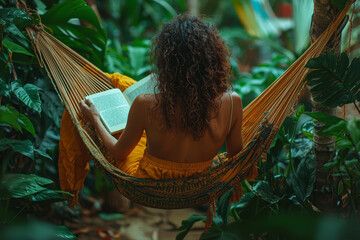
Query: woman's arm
[234, 141]
[119, 148]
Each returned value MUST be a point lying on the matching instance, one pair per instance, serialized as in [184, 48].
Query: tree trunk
[324, 195]
[193, 7]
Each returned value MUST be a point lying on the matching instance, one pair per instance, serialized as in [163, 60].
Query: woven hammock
[74, 78]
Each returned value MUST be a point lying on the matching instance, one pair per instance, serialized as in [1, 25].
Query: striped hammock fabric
[74, 77]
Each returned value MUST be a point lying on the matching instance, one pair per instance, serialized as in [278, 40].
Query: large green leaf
[15, 16]
[325, 118]
[332, 125]
[224, 206]
[62, 12]
[14, 47]
[89, 41]
[28, 94]
[26, 123]
[187, 224]
[46, 194]
[303, 182]
[354, 129]
[25, 147]
[267, 194]
[62, 232]
[43, 154]
[9, 115]
[333, 82]
[22, 185]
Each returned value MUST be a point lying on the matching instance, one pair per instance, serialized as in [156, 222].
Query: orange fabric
[156, 168]
[74, 156]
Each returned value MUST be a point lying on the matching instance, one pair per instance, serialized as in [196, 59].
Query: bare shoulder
[143, 103]
[144, 100]
[237, 100]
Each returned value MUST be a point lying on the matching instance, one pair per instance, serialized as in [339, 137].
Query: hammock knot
[237, 192]
[211, 212]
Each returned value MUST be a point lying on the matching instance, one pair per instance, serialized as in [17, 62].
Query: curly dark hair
[192, 69]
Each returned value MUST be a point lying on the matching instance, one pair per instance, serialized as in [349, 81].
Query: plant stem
[236, 215]
[248, 186]
[349, 194]
[17, 214]
[352, 189]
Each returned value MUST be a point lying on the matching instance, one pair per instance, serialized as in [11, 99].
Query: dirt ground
[133, 222]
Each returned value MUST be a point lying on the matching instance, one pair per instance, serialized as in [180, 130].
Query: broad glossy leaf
[337, 129]
[44, 195]
[85, 34]
[62, 12]
[14, 47]
[354, 129]
[13, 30]
[264, 190]
[325, 118]
[16, 16]
[187, 224]
[25, 147]
[9, 115]
[28, 94]
[248, 196]
[303, 182]
[42, 153]
[224, 206]
[26, 124]
[299, 112]
[22, 185]
[62, 232]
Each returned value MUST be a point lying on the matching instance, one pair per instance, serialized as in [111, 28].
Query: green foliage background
[275, 206]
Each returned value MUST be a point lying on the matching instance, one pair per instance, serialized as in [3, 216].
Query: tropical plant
[30, 109]
[333, 81]
[278, 204]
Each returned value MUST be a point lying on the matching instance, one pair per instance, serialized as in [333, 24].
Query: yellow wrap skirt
[74, 156]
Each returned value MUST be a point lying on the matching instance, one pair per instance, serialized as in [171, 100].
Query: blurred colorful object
[259, 19]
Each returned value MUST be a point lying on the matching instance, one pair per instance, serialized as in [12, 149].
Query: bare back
[178, 146]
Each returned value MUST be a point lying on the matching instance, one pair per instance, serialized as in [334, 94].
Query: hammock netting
[74, 78]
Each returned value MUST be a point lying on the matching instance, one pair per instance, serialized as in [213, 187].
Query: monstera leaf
[333, 81]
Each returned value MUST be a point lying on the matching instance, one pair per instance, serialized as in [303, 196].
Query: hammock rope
[74, 78]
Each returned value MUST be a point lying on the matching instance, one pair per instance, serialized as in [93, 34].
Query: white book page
[145, 85]
[113, 109]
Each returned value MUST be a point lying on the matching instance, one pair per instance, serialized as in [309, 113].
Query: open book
[114, 105]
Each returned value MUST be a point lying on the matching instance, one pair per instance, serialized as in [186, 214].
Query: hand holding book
[89, 111]
[113, 106]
